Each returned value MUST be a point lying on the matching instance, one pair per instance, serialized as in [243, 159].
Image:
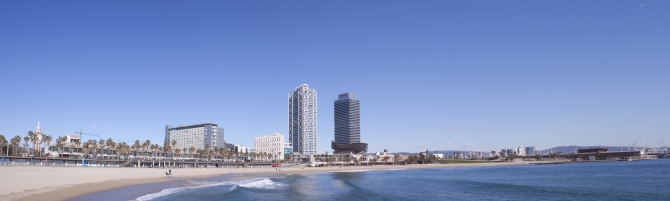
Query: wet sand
[64, 183]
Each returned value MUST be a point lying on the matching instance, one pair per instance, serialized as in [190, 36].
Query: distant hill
[445, 152]
[572, 149]
[564, 149]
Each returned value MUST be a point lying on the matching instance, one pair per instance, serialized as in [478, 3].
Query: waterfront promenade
[63, 183]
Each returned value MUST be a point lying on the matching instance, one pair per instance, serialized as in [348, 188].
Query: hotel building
[347, 119]
[302, 125]
[197, 136]
[272, 144]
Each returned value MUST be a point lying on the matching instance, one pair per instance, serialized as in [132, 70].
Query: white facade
[196, 136]
[272, 144]
[72, 138]
[525, 151]
[39, 136]
[241, 149]
[302, 121]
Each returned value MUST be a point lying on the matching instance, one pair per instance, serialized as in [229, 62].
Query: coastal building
[348, 125]
[302, 120]
[347, 119]
[196, 135]
[72, 138]
[521, 151]
[272, 144]
[240, 149]
[525, 151]
[288, 148]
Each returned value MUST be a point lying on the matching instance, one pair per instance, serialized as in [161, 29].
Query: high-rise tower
[302, 127]
[347, 119]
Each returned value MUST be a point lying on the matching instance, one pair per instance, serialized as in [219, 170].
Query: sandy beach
[63, 183]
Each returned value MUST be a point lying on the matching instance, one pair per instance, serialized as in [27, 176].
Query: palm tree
[119, 149]
[33, 139]
[47, 141]
[94, 148]
[136, 146]
[110, 144]
[71, 147]
[199, 153]
[226, 155]
[101, 145]
[26, 139]
[15, 143]
[59, 144]
[3, 142]
[41, 144]
[146, 145]
[167, 148]
[77, 144]
[177, 151]
[191, 150]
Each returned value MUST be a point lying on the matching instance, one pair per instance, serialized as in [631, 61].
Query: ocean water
[637, 180]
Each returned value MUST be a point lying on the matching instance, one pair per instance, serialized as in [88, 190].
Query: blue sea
[636, 180]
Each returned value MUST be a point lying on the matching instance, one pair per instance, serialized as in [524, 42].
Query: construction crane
[81, 139]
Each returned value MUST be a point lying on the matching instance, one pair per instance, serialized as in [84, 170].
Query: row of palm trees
[96, 148]
[30, 138]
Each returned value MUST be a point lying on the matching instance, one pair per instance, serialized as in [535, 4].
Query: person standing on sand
[170, 170]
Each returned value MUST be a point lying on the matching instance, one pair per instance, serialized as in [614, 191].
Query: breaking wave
[263, 183]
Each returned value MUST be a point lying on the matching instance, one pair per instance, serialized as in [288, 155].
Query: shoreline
[53, 183]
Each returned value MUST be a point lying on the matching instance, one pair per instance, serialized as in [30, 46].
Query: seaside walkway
[77, 162]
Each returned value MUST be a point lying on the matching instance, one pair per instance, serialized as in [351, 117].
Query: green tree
[3, 143]
[191, 150]
[33, 138]
[47, 141]
[15, 144]
[146, 145]
[136, 146]
[25, 142]
[386, 159]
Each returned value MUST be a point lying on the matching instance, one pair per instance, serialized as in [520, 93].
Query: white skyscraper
[302, 127]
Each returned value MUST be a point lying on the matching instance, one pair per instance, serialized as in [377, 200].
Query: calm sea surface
[638, 180]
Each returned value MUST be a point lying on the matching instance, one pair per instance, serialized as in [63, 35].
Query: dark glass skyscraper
[347, 119]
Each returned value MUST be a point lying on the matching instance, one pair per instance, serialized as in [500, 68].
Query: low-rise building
[288, 148]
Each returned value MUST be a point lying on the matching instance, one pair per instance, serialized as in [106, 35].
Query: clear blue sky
[438, 75]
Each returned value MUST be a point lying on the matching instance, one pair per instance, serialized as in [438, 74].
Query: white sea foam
[368, 170]
[352, 171]
[254, 183]
[170, 191]
[262, 183]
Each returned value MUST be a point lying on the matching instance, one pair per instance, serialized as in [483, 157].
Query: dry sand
[63, 183]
